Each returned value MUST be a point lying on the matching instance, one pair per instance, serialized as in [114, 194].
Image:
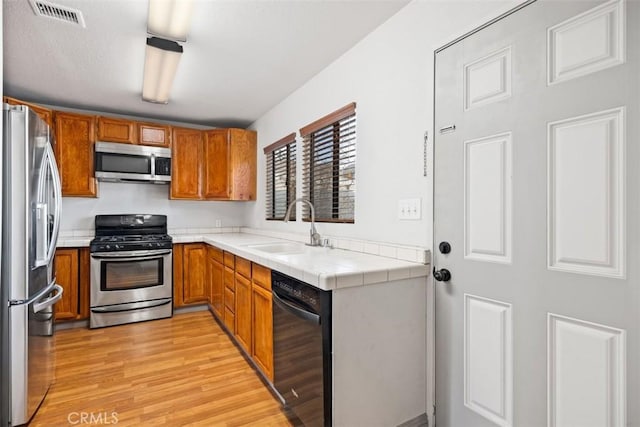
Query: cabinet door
[74, 153]
[44, 113]
[216, 164]
[216, 280]
[243, 160]
[67, 272]
[178, 275]
[195, 287]
[229, 294]
[230, 320]
[186, 161]
[152, 134]
[116, 130]
[84, 257]
[262, 353]
[243, 312]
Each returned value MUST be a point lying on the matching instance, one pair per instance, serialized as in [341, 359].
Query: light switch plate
[410, 209]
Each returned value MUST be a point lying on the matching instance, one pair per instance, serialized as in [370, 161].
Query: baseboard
[420, 421]
[191, 309]
[60, 326]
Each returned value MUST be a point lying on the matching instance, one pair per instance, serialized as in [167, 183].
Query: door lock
[444, 247]
[442, 275]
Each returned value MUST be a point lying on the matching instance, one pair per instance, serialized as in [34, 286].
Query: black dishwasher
[302, 348]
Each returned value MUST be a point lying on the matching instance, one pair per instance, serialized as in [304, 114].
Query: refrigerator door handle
[39, 306]
[41, 212]
[44, 292]
[57, 188]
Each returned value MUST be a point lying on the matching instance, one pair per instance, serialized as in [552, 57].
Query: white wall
[121, 198]
[389, 74]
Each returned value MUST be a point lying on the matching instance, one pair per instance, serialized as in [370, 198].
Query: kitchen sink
[279, 248]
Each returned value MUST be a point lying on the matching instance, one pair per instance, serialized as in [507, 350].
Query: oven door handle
[131, 255]
[303, 314]
[118, 308]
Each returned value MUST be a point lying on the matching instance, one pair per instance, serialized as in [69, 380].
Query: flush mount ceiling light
[169, 19]
[160, 65]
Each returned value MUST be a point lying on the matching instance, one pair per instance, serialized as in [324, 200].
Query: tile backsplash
[388, 250]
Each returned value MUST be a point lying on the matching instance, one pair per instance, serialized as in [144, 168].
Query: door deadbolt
[444, 247]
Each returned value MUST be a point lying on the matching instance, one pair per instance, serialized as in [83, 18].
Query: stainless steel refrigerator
[31, 204]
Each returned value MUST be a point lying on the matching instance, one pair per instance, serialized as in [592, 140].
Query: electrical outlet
[410, 209]
[218, 223]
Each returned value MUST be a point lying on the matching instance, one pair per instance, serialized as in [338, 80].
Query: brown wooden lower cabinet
[262, 349]
[239, 293]
[215, 273]
[71, 266]
[229, 292]
[190, 283]
[243, 312]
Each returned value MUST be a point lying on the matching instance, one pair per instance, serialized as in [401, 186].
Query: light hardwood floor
[179, 371]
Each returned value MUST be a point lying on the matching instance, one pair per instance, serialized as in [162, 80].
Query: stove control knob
[107, 247]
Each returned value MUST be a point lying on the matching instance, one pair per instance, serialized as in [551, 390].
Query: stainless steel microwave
[132, 163]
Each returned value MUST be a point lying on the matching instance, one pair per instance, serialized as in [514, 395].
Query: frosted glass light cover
[170, 19]
[160, 68]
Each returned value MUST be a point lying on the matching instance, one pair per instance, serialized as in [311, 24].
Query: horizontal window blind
[329, 166]
[281, 177]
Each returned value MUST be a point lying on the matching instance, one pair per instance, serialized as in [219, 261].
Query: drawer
[229, 279]
[230, 321]
[215, 253]
[229, 299]
[261, 276]
[229, 260]
[243, 267]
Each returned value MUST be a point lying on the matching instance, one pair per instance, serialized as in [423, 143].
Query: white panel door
[537, 193]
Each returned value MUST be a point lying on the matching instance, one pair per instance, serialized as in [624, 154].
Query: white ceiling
[241, 57]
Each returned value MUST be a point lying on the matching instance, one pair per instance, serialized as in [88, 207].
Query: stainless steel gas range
[131, 270]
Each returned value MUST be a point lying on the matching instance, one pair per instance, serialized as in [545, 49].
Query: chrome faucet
[314, 237]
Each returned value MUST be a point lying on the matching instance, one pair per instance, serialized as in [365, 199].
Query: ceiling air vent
[56, 11]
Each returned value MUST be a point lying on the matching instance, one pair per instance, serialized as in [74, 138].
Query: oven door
[130, 277]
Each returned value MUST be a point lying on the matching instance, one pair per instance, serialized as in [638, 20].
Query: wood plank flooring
[177, 372]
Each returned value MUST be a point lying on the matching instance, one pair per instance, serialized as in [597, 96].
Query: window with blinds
[281, 177]
[329, 169]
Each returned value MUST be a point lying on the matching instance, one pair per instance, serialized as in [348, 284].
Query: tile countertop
[74, 241]
[324, 268]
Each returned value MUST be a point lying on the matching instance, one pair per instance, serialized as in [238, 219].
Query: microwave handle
[153, 165]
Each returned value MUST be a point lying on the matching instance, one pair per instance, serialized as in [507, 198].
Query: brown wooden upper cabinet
[154, 134]
[116, 130]
[75, 138]
[44, 113]
[223, 159]
[186, 164]
[241, 150]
